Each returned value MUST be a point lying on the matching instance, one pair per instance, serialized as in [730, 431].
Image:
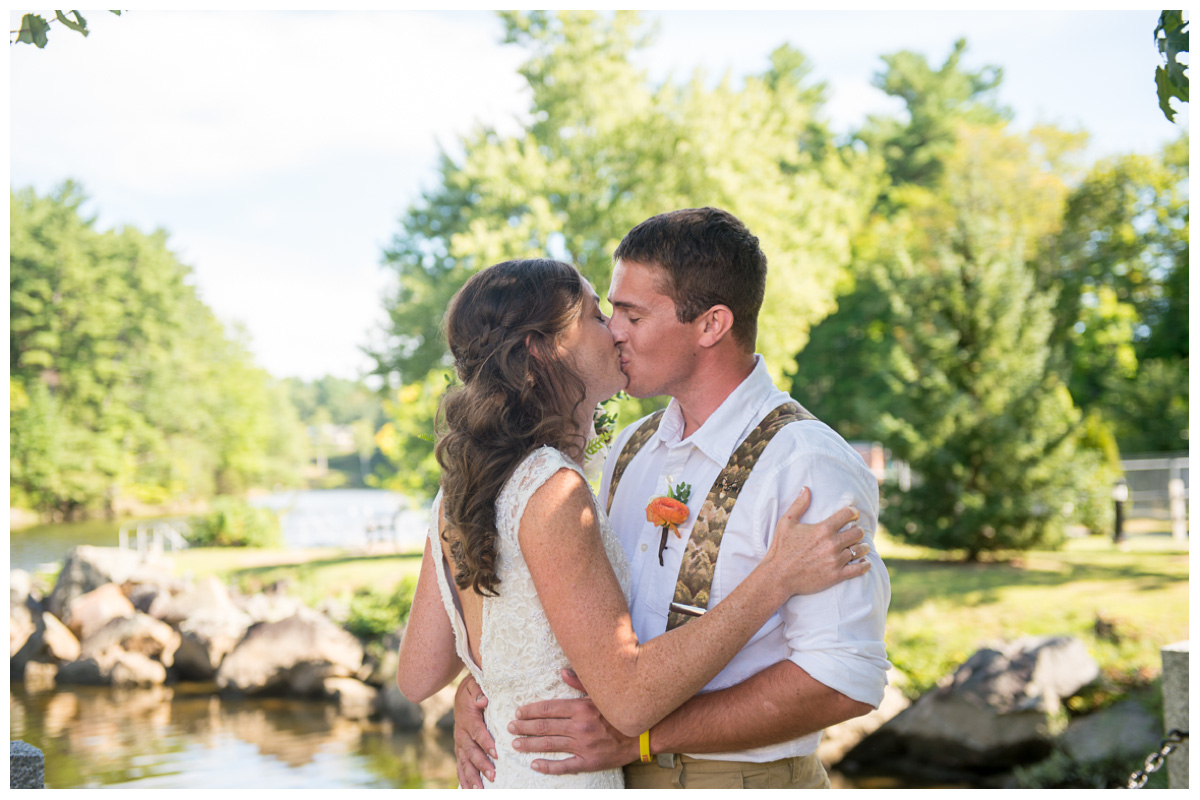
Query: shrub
[236, 523]
[375, 614]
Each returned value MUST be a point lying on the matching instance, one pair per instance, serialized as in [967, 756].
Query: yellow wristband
[644, 746]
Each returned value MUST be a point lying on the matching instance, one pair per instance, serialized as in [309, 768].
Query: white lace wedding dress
[522, 658]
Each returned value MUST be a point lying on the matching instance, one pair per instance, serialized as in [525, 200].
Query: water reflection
[185, 737]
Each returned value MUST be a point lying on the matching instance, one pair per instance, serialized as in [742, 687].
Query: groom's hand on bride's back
[471, 737]
[571, 726]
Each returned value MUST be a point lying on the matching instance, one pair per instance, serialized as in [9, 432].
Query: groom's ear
[714, 325]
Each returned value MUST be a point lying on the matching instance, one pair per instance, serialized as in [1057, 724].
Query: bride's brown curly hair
[509, 402]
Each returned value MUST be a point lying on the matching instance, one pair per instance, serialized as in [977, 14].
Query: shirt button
[644, 547]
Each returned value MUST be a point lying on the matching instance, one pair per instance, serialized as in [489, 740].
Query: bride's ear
[532, 346]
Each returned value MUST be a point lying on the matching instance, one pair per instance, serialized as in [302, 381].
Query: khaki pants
[802, 772]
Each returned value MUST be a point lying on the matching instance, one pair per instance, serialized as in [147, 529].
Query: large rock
[355, 699]
[139, 633]
[1124, 729]
[993, 713]
[87, 568]
[208, 594]
[206, 638]
[22, 624]
[135, 669]
[837, 740]
[35, 635]
[39, 676]
[305, 645]
[91, 611]
[406, 716]
[112, 667]
[20, 586]
[269, 607]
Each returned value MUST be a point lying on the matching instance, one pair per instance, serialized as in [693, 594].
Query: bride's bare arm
[633, 684]
[428, 660]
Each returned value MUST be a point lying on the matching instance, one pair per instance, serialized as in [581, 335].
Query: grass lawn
[1124, 604]
[312, 575]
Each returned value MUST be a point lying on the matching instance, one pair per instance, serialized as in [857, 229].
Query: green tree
[123, 384]
[936, 102]
[974, 406]
[941, 346]
[606, 149]
[1120, 268]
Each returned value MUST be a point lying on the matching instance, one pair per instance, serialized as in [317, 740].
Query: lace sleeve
[527, 478]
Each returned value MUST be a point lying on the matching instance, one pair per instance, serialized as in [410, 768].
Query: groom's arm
[780, 703]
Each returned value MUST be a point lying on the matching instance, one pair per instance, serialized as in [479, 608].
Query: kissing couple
[700, 621]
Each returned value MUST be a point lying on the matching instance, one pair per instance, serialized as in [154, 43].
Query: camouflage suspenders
[700, 557]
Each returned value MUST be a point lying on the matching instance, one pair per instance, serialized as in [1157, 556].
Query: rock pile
[1002, 708]
[113, 620]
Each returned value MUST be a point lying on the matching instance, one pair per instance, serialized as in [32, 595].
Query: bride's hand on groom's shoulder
[571, 726]
[816, 556]
[471, 737]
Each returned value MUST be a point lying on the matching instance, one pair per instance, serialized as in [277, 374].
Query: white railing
[1158, 488]
[153, 537]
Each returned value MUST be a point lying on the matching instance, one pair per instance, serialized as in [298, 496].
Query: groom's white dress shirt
[835, 636]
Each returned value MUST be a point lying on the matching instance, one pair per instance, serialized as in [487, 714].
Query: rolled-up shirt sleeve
[836, 636]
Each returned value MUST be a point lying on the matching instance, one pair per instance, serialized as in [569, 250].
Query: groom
[686, 290]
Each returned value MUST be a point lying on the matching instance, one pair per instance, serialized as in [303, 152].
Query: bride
[522, 575]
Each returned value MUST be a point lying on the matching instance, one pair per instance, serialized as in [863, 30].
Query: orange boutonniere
[668, 512]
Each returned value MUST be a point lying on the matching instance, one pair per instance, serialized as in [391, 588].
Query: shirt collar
[723, 430]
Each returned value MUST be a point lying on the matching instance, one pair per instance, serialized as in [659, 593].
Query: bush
[1061, 771]
[236, 523]
[375, 614]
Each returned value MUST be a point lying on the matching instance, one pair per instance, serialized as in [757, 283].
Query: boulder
[355, 699]
[136, 669]
[35, 635]
[306, 645]
[837, 740]
[139, 633]
[86, 671]
[91, 611]
[142, 595]
[206, 638]
[381, 664]
[39, 676]
[406, 716]
[1123, 729]
[112, 667]
[995, 712]
[60, 642]
[439, 709]
[268, 607]
[208, 594]
[87, 568]
[20, 586]
[22, 623]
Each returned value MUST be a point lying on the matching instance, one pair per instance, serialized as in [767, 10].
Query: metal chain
[1155, 761]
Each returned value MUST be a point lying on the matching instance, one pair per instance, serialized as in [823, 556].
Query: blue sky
[279, 149]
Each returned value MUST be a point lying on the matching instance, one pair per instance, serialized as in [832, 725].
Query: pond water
[310, 518]
[186, 737]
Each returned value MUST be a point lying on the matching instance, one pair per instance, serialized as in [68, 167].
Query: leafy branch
[34, 27]
[1171, 34]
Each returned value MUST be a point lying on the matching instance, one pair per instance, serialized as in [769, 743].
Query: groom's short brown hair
[708, 257]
